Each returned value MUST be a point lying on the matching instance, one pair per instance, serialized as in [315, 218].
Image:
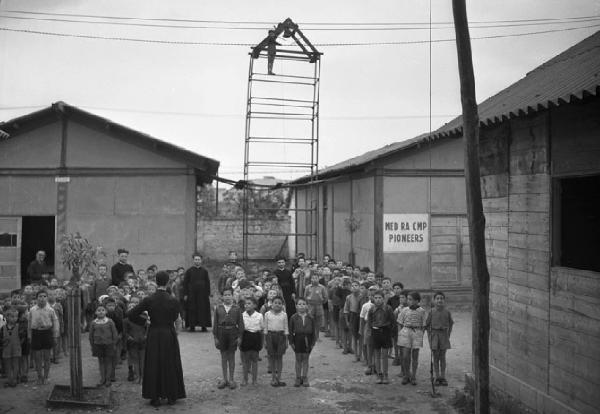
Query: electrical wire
[385, 28]
[335, 44]
[425, 23]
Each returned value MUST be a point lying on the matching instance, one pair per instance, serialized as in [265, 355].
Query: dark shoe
[405, 380]
[204, 329]
[345, 352]
[155, 402]
[222, 384]
[369, 371]
[305, 382]
[274, 383]
[131, 375]
[443, 382]
[192, 329]
[386, 380]
[24, 379]
[171, 401]
[232, 385]
[379, 379]
[281, 384]
[413, 381]
[298, 382]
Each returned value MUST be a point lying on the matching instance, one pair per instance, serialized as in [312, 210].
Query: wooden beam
[481, 277]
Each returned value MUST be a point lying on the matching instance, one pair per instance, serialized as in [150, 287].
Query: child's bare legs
[24, 368]
[141, 356]
[415, 364]
[442, 362]
[46, 362]
[436, 362]
[224, 361]
[406, 354]
[231, 363]
[108, 369]
[359, 348]
[384, 363]
[298, 366]
[253, 357]
[245, 367]
[102, 371]
[377, 356]
[278, 367]
[273, 368]
[304, 366]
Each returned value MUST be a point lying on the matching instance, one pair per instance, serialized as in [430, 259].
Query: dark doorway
[37, 233]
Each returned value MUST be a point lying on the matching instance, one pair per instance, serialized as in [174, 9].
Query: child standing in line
[439, 327]
[14, 334]
[228, 326]
[381, 319]
[58, 309]
[394, 301]
[352, 316]
[411, 321]
[23, 310]
[42, 331]
[365, 331]
[315, 296]
[252, 340]
[114, 312]
[134, 335]
[276, 332]
[402, 299]
[303, 334]
[103, 338]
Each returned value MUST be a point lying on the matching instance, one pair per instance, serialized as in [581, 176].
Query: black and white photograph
[271, 207]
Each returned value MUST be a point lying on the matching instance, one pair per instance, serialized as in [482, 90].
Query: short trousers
[41, 339]
[227, 338]
[251, 341]
[317, 313]
[439, 340]
[336, 313]
[354, 322]
[381, 337]
[103, 350]
[410, 337]
[276, 343]
[303, 343]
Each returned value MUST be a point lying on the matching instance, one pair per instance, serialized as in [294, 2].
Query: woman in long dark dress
[163, 375]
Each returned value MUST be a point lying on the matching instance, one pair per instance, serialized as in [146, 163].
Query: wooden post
[481, 277]
[74, 331]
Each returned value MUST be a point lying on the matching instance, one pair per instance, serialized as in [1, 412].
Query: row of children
[31, 332]
[364, 313]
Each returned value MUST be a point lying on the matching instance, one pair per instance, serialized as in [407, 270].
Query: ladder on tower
[282, 111]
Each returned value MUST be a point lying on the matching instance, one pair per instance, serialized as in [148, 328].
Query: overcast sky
[194, 95]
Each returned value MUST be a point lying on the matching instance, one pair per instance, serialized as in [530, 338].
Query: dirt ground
[338, 385]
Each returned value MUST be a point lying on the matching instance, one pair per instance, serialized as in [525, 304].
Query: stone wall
[217, 236]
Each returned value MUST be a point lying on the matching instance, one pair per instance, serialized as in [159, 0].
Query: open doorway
[37, 233]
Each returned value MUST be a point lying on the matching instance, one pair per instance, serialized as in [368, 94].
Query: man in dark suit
[286, 281]
[37, 268]
[163, 374]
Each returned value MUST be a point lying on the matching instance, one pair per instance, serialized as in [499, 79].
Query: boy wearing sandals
[411, 321]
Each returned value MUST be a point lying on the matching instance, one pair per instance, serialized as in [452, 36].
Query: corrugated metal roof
[573, 74]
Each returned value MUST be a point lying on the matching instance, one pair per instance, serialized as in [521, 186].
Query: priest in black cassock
[163, 373]
[196, 295]
[286, 282]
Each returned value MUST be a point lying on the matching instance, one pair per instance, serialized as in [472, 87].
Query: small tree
[81, 258]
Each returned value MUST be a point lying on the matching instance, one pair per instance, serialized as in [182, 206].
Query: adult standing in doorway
[163, 374]
[118, 270]
[37, 268]
[196, 295]
[286, 282]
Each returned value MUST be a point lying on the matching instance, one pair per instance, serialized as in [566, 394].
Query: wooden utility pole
[481, 276]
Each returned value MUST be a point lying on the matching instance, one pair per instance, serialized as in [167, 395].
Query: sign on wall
[405, 233]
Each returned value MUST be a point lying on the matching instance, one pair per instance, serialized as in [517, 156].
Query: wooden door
[450, 263]
[10, 253]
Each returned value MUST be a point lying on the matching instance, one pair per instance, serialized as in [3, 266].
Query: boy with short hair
[351, 314]
[42, 331]
[394, 301]
[315, 295]
[381, 318]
